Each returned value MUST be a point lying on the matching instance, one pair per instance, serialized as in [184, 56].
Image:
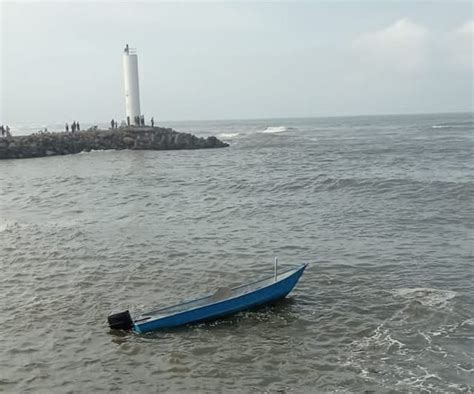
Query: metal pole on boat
[276, 268]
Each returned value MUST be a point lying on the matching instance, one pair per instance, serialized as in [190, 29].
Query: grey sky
[62, 61]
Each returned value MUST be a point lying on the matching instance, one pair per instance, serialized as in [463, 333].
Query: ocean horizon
[25, 128]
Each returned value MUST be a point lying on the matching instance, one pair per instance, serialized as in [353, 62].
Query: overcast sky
[230, 60]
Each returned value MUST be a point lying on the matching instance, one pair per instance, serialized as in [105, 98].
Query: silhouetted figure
[2, 130]
[152, 121]
[78, 126]
[142, 120]
[126, 48]
[67, 128]
[7, 132]
[128, 120]
[73, 127]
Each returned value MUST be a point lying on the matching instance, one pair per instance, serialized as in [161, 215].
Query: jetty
[43, 144]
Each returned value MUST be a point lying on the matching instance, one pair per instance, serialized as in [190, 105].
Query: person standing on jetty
[73, 127]
[67, 128]
[152, 121]
[78, 126]
[5, 131]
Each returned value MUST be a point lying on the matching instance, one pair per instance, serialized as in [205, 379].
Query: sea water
[381, 208]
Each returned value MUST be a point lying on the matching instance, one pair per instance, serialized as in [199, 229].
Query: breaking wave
[276, 129]
[442, 126]
[453, 125]
[228, 135]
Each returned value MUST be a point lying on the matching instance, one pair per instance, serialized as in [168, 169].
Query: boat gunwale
[148, 317]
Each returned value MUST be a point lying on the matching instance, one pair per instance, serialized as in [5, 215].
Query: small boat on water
[225, 301]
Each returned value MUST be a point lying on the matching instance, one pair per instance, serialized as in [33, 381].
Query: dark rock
[144, 138]
[128, 141]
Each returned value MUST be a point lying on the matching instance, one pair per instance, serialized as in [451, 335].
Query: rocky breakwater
[65, 143]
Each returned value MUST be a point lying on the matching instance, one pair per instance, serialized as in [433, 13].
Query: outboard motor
[120, 321]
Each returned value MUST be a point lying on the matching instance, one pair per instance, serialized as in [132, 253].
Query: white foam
[426, 336]
[275, 129]
[446, 126]
[5, 224]
[465, 368]
[228, 135]
[382, 338]
[419, 380]
[95, 151]
[427, 297]
[468, 322]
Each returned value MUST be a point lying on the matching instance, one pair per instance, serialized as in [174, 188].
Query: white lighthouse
[132, 92]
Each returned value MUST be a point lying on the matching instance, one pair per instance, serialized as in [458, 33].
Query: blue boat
[225, 301]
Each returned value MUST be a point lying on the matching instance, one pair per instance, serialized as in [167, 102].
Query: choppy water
[382, 208]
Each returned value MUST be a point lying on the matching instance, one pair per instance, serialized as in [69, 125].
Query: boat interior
[221, 294]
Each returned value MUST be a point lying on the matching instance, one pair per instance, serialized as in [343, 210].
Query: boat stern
[120, 321]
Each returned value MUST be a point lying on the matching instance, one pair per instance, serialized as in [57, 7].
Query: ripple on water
[376, 205]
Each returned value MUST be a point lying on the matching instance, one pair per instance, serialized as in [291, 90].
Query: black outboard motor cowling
[120, 321]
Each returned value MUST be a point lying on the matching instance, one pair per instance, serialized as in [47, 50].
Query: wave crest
[276, 129]
[228, 135]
